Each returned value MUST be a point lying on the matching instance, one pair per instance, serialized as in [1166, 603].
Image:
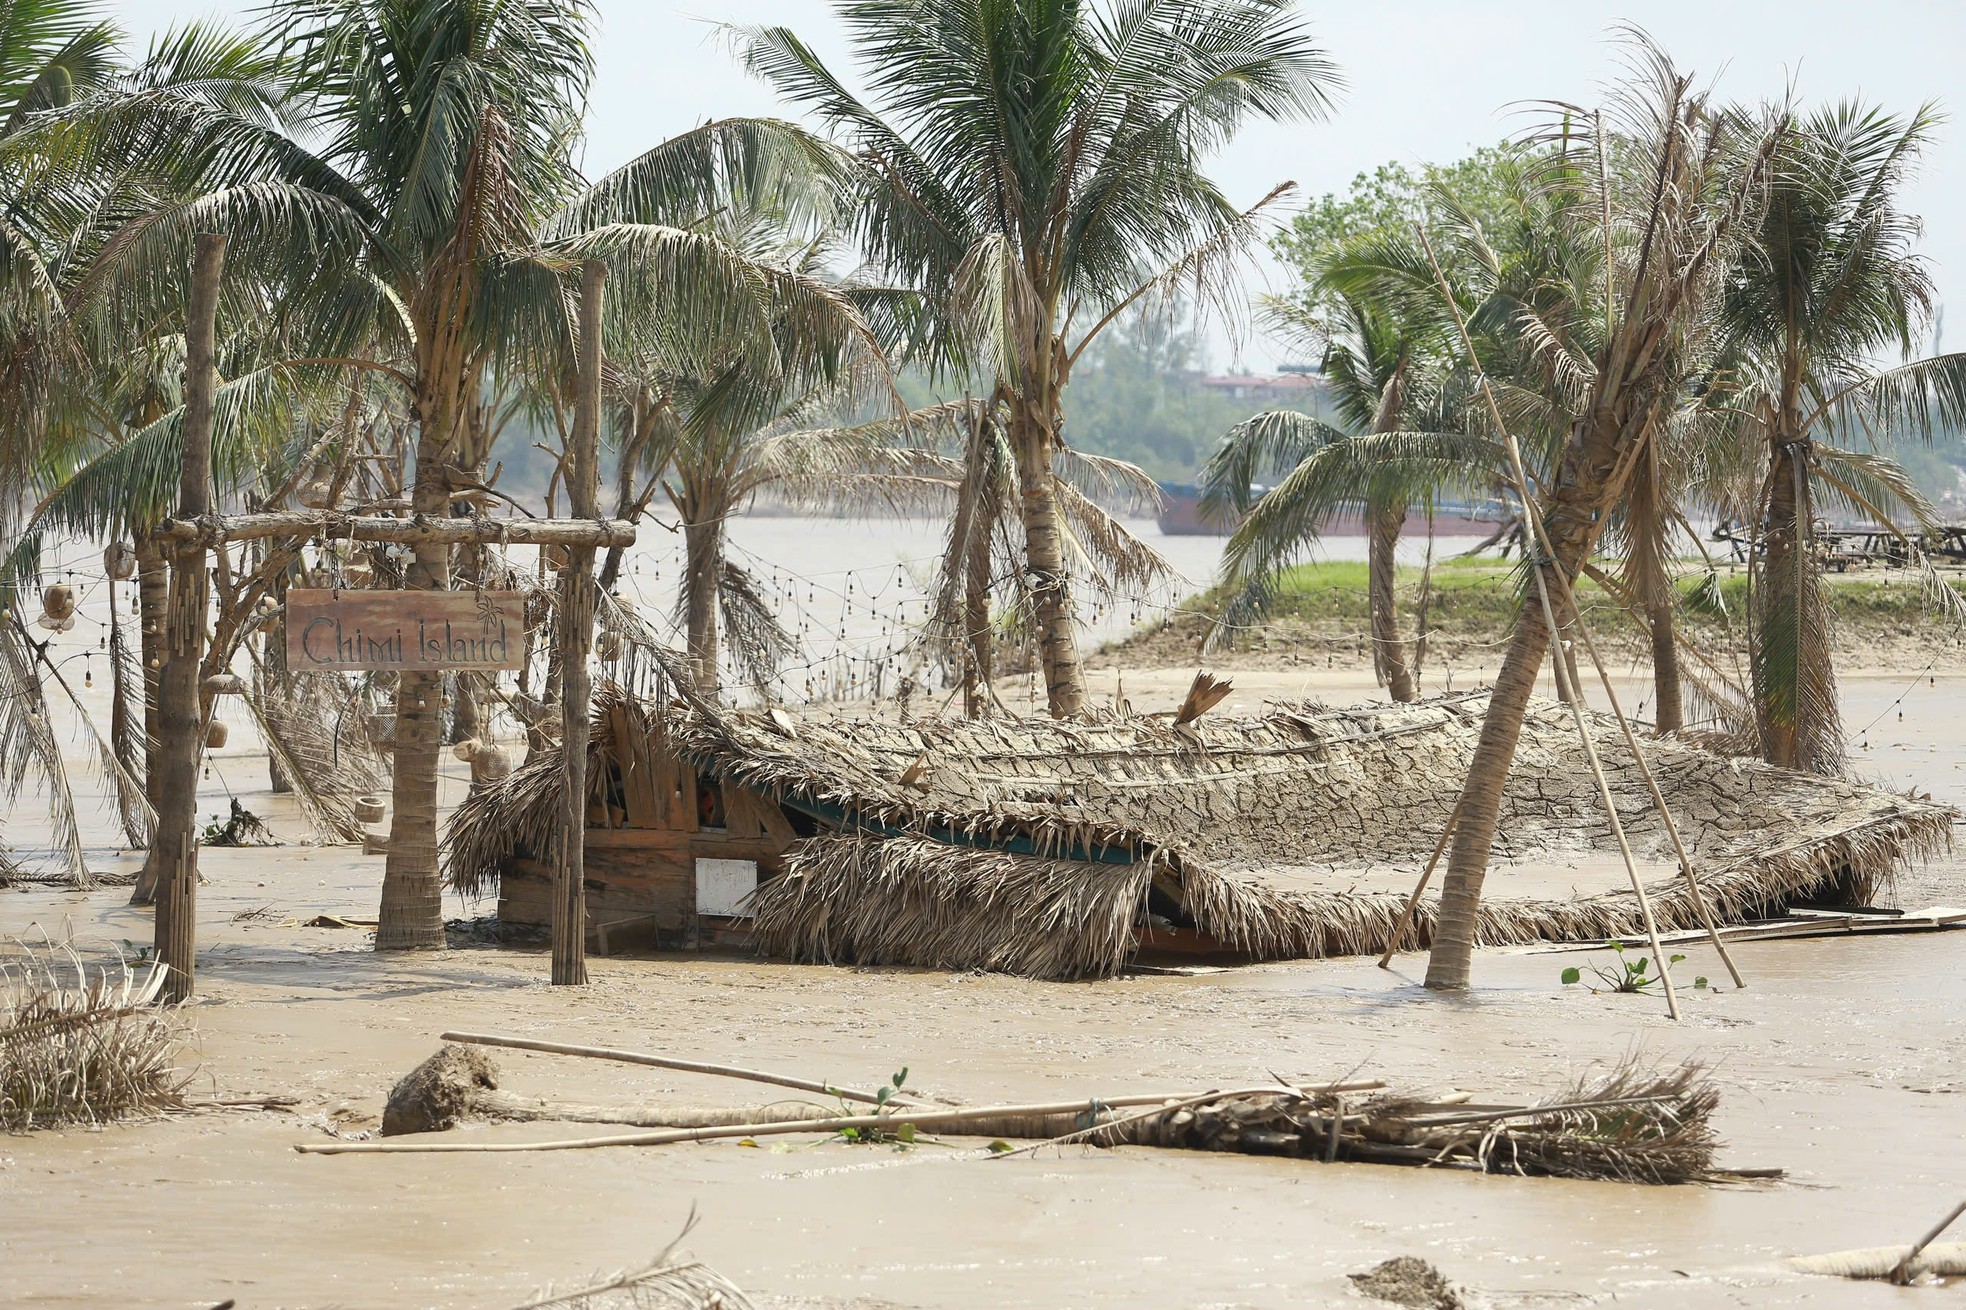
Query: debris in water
[242, 828]
[1408, 1280]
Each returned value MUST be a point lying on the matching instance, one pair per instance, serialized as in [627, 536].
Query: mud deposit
[1844, 1062]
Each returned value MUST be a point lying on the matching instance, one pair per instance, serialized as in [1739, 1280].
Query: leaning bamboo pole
[179, 717]
[680, 1066]
[577, 641]
[1520, 478]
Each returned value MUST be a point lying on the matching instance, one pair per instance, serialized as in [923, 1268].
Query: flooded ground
[1843, 1062]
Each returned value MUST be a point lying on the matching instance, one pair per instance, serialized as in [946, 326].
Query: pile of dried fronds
[82, 1045]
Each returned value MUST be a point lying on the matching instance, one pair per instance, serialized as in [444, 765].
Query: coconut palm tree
[1399, 397]
[1832, 285]
[1651, 198]
[1035, 168]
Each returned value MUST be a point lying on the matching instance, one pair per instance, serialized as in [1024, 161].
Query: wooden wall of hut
[651, 819]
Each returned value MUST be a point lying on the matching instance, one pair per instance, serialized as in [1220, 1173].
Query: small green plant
[901, 1138]
[1634, 975]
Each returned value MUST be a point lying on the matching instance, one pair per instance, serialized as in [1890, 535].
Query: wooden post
[180, 722]
[577, 640]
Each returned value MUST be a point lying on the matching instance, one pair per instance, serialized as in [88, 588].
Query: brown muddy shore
[1844, 1062]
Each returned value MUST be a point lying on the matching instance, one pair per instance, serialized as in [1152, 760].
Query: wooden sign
[410, 631]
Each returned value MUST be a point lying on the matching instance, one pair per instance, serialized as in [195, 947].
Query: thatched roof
[1260, 827]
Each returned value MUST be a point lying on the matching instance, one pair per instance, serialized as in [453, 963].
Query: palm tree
[448, 128]
[1831, 286]
[1036, 165]
[83, 161]
[1650, 199]
[1396, 391]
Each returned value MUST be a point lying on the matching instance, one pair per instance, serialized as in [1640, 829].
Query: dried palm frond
[83, 1046]
[674, 1280]
[755, 639]
[28, 745]
[127, 738]
[1662, 1134]
[320, 733]
[1114, 560]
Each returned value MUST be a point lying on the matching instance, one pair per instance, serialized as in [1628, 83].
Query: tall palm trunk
[1650, 573]
[411, 915]
[1794, 681]
[1670, 712]
[1386, 519]
[1570, 522]
[1033, 437]
[703, 551]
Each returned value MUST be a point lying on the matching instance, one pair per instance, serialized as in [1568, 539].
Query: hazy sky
[1425, 81]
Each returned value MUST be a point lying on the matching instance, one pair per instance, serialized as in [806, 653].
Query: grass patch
[1483, 594]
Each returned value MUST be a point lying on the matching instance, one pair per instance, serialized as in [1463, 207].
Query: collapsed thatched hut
[1064, 849]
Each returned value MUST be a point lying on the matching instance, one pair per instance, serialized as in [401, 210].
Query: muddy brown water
[1843, 1062]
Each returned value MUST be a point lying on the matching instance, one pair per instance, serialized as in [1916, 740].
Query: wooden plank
[741, 816]
[776, 825]
[406, 631]
[638, 779]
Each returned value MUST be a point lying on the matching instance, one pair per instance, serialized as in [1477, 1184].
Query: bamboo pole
[919, 1118]
[1658, 797]
[1419, 888]
[664, 1062]
[1902, 1273]
[179, 717]
[217, 529]
[1535, 524]
[577, 642]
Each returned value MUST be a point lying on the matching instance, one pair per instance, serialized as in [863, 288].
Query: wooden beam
[217, 529]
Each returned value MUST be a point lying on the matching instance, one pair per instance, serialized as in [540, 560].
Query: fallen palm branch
[1629, 1125]
[83, 1046]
